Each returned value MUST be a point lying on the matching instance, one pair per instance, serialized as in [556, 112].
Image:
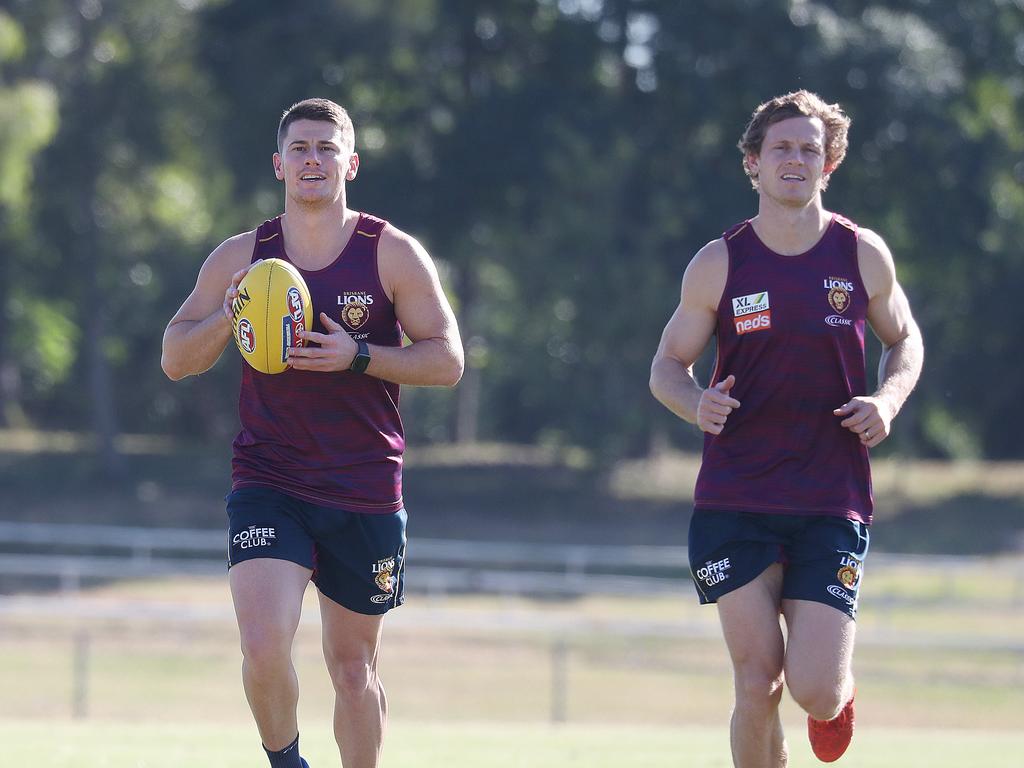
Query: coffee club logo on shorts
[382, 571]
[714, 571]
[751, 313]
[254, 536]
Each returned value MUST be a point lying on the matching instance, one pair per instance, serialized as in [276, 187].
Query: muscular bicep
[890, 317]
[693, 323]
[888, 312]
[686, 334]
[420, 302]
[214, 278]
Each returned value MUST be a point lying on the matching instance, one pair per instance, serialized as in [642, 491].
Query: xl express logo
[751, 313]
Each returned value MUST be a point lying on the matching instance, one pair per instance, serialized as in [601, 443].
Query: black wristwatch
[362, 358]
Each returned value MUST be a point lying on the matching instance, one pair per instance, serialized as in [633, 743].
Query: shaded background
[561, 161]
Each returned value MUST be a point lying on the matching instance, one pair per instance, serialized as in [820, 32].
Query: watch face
[361, 360]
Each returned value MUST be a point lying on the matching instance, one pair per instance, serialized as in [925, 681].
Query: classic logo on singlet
[355, 308]
[382, 571]
[254, 536]
[751, 313]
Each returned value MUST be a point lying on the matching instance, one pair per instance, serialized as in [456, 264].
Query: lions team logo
[382, 571]
[839, 299]
[839, 289]
[355, 315]
[849, 573]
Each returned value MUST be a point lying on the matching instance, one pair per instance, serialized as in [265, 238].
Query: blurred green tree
[561, 159]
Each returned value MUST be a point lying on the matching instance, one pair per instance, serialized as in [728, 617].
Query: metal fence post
[80, 676]
[559, 680]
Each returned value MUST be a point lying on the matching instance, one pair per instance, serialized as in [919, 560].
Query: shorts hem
[370, 610]
[706, 599]
[265, 556]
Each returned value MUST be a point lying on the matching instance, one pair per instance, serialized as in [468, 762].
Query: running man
[783, 499]
[316, 488]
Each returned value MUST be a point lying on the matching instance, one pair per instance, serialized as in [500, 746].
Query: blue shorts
[822, 557]
[357, 559]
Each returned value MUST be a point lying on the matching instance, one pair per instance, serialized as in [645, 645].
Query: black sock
[287, 757]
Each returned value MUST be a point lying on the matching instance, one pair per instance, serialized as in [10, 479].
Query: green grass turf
[105, 744]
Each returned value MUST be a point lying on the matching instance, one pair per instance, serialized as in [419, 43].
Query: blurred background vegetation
[560, 159]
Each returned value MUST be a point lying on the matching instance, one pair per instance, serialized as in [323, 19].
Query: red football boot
[830, 738]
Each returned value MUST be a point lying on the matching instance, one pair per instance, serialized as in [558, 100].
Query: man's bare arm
[196, 336]
[902, 346]
[435, 357]
[684, 339]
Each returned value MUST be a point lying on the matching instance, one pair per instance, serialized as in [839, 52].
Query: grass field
[62, 744]
[472, 681]
[480, 680]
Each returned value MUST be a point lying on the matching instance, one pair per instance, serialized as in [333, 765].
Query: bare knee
[821, 699]
[265, 649]
[353, 677]
[757, 689]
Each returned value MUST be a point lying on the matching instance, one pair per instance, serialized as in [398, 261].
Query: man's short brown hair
[324, 110]
[797, 104]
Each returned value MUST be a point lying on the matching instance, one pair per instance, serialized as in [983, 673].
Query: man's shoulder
[706, 275]
[877, 268]
[235, 252]
[712, 260]
[399, 246]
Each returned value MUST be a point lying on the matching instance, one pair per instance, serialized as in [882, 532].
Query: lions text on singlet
[791, 330]
[331, 438]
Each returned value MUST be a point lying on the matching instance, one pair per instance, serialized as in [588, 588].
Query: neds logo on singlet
[751, 313]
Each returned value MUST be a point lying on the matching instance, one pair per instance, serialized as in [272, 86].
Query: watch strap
[362, 358]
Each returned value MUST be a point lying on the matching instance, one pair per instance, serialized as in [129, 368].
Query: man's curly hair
[797, 104]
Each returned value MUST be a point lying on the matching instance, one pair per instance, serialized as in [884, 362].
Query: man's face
[314, 163]
[791, 166]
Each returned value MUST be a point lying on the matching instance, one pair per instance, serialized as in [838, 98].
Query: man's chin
[313, 202]
[795, 202]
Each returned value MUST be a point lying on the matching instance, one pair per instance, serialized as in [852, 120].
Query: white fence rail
[73, 554]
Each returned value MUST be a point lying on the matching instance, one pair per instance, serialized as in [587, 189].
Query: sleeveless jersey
[791, 330]
[334, 439]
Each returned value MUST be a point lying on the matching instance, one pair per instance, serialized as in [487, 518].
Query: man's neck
[315, 236]
[790, 230]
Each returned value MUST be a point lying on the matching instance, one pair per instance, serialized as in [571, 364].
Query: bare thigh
[750, 624]
[819, 651]
[267, 594]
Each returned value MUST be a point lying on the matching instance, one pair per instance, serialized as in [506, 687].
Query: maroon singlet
[335, 439]
[791, 329]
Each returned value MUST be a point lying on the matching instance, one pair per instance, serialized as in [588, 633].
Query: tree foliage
[561, 159]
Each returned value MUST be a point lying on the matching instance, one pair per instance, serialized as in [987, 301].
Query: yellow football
[272, 304]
